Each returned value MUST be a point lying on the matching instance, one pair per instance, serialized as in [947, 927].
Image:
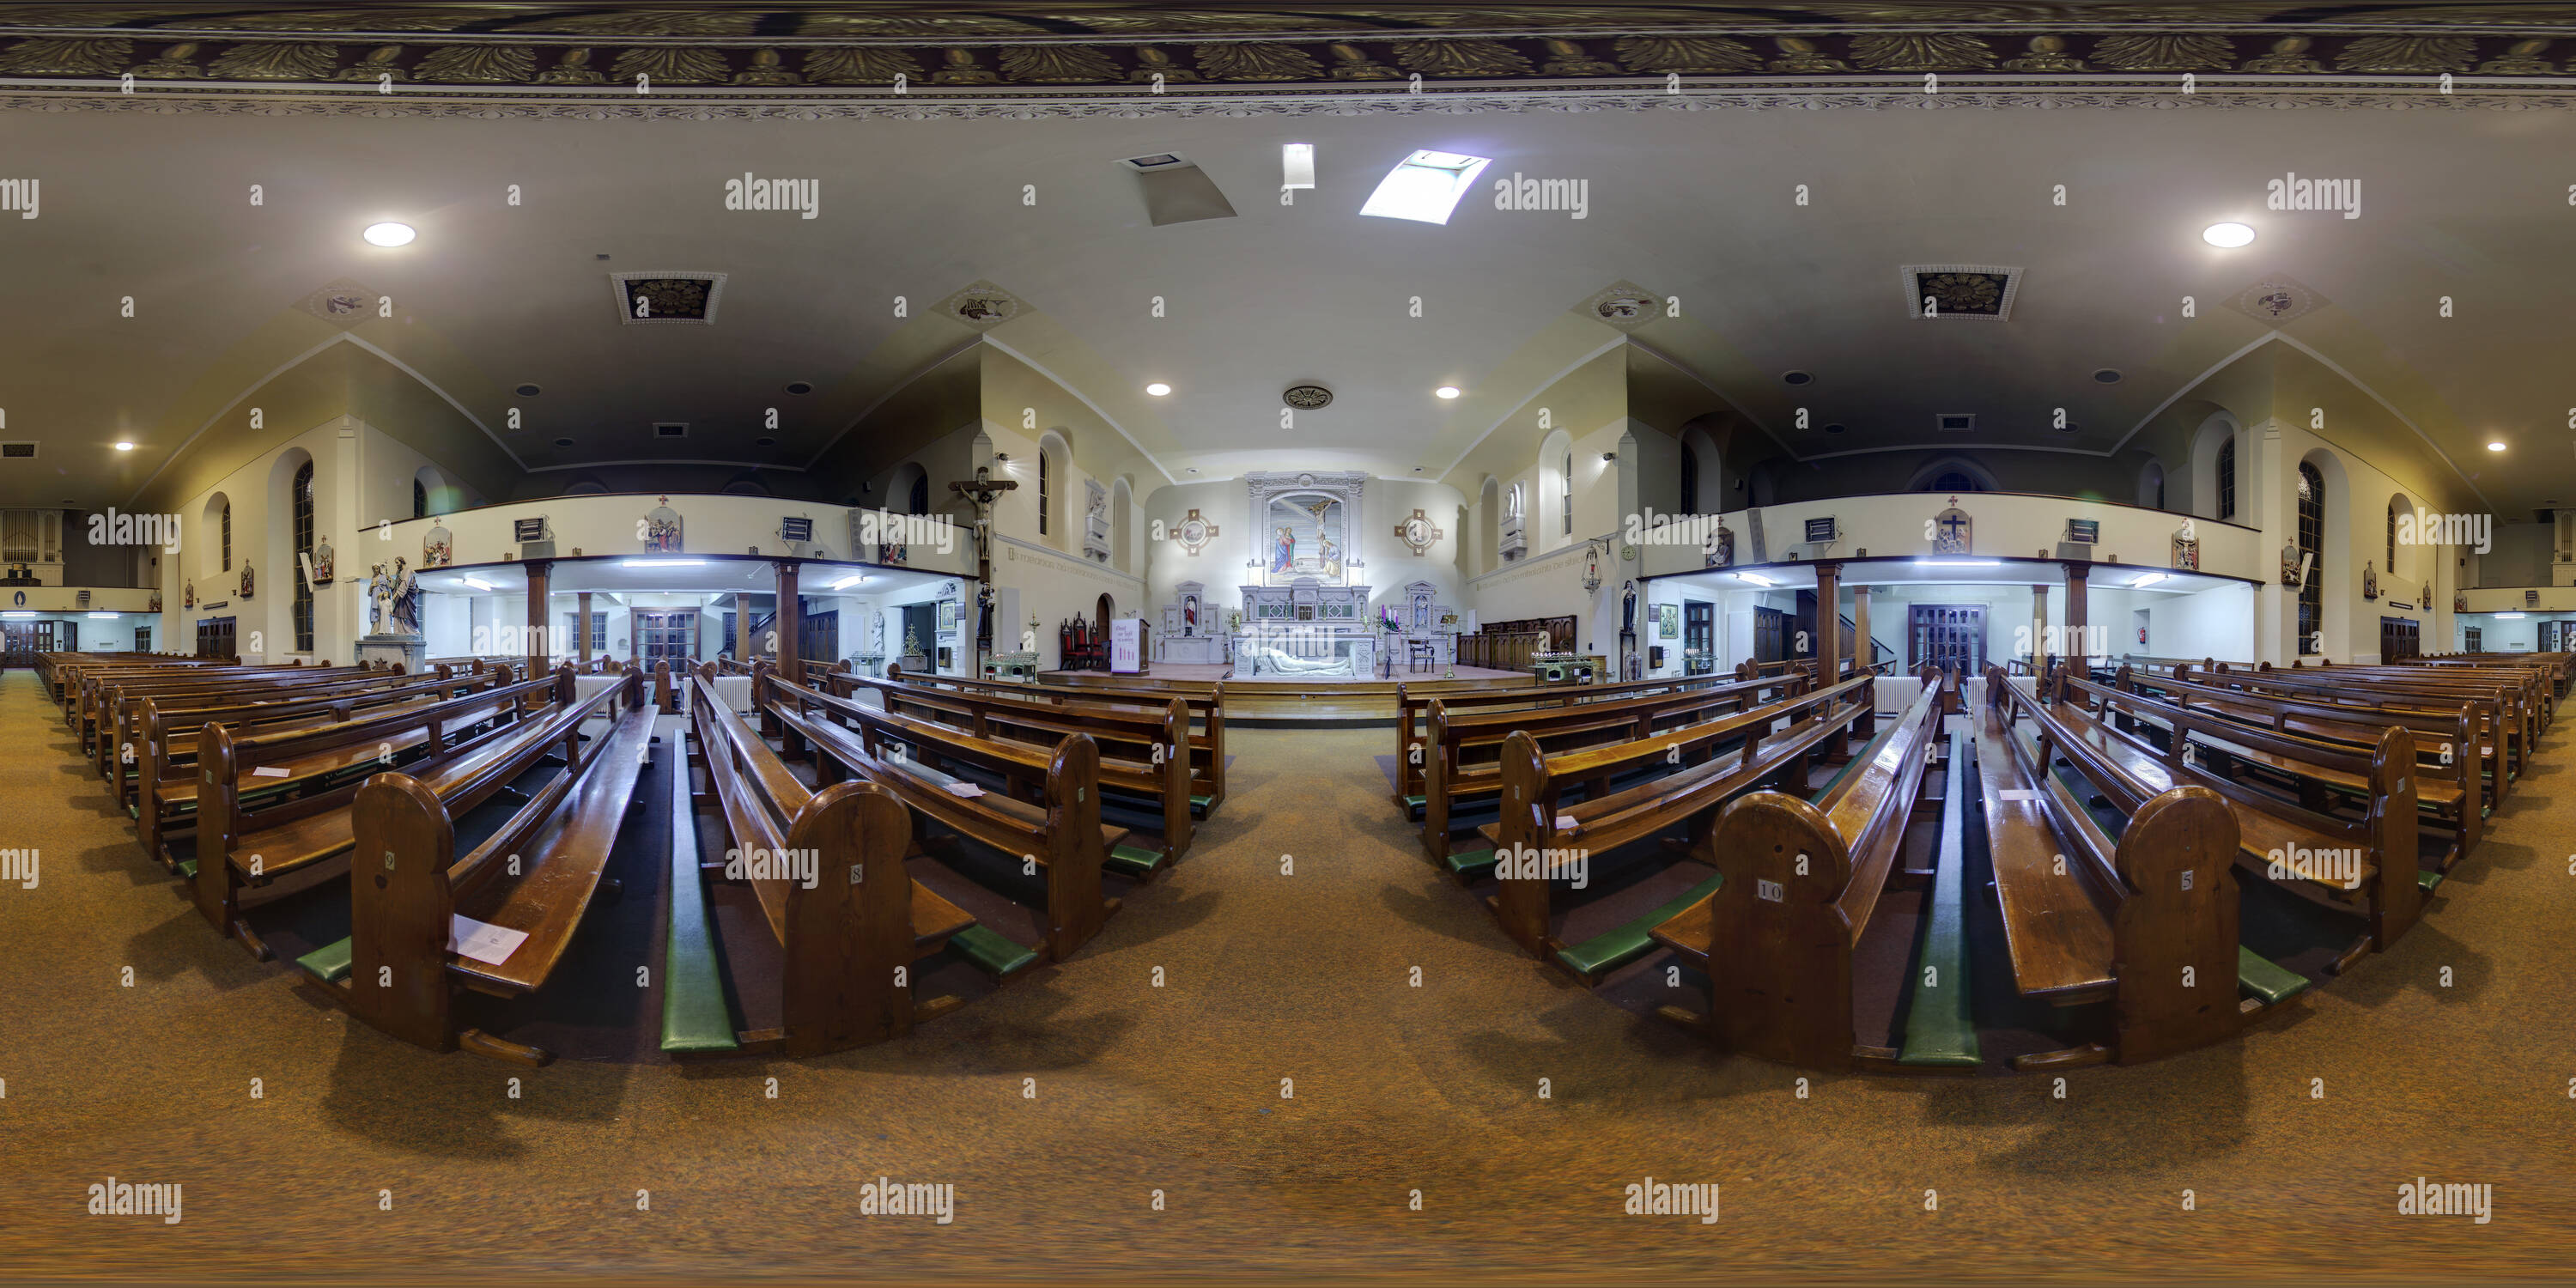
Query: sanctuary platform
[1320, 699]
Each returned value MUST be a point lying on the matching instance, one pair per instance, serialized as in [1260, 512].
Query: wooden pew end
[259, 950]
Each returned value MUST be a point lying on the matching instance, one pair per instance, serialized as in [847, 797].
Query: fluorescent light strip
[661, 563]
[1425, 186]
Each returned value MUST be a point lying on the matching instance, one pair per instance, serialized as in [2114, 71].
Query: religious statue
[1189, 614]
[396, 596]
[1591, 568]
[2369, 580]
[246, 582]
[1628, 610]
[1283, 553]
[2291, 568]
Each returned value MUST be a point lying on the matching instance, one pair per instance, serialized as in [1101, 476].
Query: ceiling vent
[1158, 161]
[1976, 292]
[1955, 422]
[670, 429]
[667, 297]
[17, 451]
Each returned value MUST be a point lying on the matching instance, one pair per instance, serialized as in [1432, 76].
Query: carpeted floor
[1061, 1106]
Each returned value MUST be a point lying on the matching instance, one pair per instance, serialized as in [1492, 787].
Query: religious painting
[188, 594]
[948, 610]
[1719, 552]
[1306, 538]
[323, 563]
[661, 529]
[246, 582]
[2369, 580]
[436, 549]
[1951, 530]
[2186, 546]
[1668, 621]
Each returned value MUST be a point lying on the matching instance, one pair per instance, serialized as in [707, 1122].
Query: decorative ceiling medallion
[981, 305]
[1962, 291]
[2277, 300]
[1625, 306]
[667, 296]
[1418, 532]
[342, 303]
[1307, 397]
[1194, 532]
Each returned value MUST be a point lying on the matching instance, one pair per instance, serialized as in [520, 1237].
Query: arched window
[2312, 532]
[1690, 480]
[1954, 481]
[2392, 538]
[228, 536]
[419, 499]
[2227, 479]
[919, 501]
[1569, 494]
[1046, 490]
[300, 496]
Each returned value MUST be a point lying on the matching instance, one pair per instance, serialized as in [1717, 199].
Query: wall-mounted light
[1609, 456]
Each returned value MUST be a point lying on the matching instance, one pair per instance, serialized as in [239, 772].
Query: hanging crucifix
[981, 492]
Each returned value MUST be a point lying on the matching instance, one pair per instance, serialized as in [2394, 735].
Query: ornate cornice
[807, 62]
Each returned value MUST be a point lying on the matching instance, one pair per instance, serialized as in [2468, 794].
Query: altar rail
[1501, 650]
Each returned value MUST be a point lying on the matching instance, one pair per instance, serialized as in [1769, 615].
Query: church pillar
[2079, 645]
[791, 619]
[1829, 615]
[2038, 629]
[742, 628]
[583, 626]
[537, 650]
[1861, 638]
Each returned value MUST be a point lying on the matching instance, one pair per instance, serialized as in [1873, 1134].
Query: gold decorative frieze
[1247, 61]
[51, 57]
[1687, 55]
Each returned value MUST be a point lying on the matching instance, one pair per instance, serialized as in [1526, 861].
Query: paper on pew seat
[2016, 795]
[482, 941]
[1567, 822]
[269, 771]
[964, 789]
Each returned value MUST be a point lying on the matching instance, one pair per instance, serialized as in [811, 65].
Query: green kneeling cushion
[1609, 951]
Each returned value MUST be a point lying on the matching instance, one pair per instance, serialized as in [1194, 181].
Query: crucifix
[981, 492]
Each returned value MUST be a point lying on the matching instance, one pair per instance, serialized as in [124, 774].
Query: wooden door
[1770, 635]
[2401, 638]
[1947, 636]
[1699, 636]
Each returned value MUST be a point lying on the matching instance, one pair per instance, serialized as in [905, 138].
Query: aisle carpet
[1287, 945]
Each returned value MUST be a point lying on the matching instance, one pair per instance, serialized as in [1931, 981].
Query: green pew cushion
[1611, 950]
[330, 962]
[2262, 979]
[695, 1017]
[992, 951]
[2427, 880]
[1129, 860]
[1473, 865]
[1940, 1029]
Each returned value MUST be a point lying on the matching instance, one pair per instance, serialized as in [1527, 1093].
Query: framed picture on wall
[947, 615]
[1668, 621]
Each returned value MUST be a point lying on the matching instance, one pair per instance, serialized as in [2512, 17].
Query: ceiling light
[389, 234]
[2106, 376]
[95, 617]
[476, 582]
[2148, 580]
[661, 563]
[1425, 186]
[1447, 391]
[2495, 447]
[125, 447]
[2227, 236]
[799, 387]
[1296, 165]
[1158, 389]
[1958, 563]
[528, 391]
[847, 582]
[1796, 378]
[2508, 617]
[19, 614]
[1757, 579]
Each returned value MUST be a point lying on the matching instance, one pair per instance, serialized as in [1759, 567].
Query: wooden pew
[162, 795]
[1144, 750]
[1206, 706]
[117, 744]
[847, 943]
[242, 844]
[1058, 833]
[536, 875]
[1696, 768]
[2533, 682]
[82, 714]
[1798, 884]
[1412, 713]
[2506, 727]
[1463, 752]
[2451, 777]
[2388, 884]
[2139, 919]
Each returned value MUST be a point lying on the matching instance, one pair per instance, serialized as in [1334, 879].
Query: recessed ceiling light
[1425, 186]
[766, 442]
[1158, 389]
[2495, 447]
[2228, 236]
[563, 442]
[799, 387]
[1447, 391]
[527, 391]
[1833, 429]
[1194, 469]
[125, 447]
[2106, 376]
[1796, 378]
[1296, 165]
[389, 234]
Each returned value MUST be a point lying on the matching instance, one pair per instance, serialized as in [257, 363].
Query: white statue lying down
[1274, 662]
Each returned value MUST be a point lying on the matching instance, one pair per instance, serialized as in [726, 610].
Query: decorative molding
[1053, 560]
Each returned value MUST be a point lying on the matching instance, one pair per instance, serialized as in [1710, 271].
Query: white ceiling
[1697, 204]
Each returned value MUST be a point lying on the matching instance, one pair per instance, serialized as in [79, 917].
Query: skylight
[1425, 187]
